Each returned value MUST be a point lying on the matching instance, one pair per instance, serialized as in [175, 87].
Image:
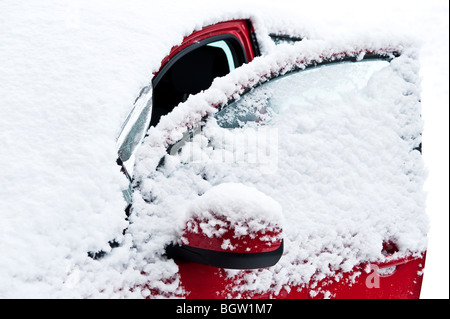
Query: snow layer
[69, 74]
[247, 210]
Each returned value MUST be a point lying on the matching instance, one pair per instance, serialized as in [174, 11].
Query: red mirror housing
[230, 228]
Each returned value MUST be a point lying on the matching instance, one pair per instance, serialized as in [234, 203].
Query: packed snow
[234, 207]
[70, 72]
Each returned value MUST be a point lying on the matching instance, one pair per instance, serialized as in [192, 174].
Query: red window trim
[241, 29]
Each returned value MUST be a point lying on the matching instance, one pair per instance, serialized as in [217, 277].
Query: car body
[204, 257]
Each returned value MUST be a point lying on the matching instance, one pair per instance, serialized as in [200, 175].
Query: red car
[295, 174]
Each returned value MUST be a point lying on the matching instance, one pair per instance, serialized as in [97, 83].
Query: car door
[329, 133]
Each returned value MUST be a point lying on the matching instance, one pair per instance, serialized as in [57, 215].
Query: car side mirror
[231, 226]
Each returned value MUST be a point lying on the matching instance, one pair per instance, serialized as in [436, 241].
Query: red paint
[239, 28]
[363, 282]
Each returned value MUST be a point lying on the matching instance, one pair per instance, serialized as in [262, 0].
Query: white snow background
[46, 207]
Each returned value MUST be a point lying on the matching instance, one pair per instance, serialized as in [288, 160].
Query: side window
[226, 49]
[293, 93]
[193, 70]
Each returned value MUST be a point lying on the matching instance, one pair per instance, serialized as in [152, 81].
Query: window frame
[228, 38]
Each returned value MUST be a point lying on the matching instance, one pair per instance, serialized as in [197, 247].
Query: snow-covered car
[298, 175]
[174, 150]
